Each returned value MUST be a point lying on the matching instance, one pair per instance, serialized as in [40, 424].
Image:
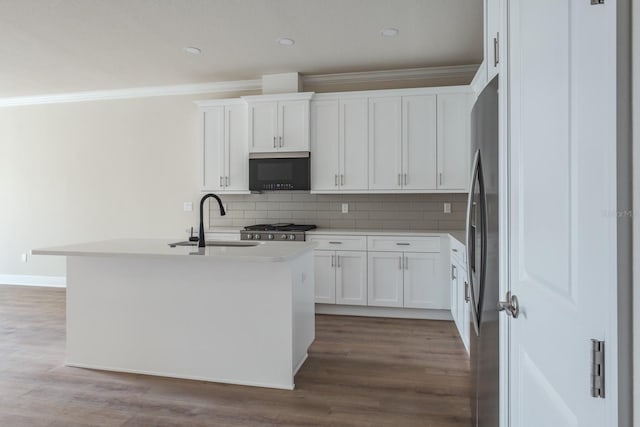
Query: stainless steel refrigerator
[483, 258]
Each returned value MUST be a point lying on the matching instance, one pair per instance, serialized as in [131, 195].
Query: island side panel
[304, 325]
[206, 319]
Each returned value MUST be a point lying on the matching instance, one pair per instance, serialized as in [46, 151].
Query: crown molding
[411, 74]
[426, 73]
[138, 92]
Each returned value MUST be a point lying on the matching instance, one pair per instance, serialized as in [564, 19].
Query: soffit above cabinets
[64, 46]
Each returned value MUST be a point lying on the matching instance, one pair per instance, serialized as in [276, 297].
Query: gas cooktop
[277, 232]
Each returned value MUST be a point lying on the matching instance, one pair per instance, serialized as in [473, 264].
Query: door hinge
[597, 368]
[597, 2]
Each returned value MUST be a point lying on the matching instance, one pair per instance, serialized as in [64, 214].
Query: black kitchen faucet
[201, 243]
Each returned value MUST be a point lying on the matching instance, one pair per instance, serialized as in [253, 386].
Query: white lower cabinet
[385, 285]
[340, 277]
[460, 304]
[406, 279]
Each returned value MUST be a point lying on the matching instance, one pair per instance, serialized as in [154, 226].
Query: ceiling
[61, 46]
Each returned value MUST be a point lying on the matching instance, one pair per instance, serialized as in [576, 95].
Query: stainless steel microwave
[279, 171]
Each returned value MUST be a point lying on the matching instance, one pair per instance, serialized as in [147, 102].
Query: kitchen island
[231, 314]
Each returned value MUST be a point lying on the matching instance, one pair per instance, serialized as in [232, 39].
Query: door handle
[467, 298]
[511, 305]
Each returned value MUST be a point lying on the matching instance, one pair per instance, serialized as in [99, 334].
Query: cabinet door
[213, 164]
[236, 148]
[263, 126]
[455, 292]
[419, 142]
[423, 284]
[325, 142]
[464, 307]
[385, 143]
[293, 126]
[385, 279]
[354, 144]
[454, 143]
[351, 278]
[492, 37]
[324, 276]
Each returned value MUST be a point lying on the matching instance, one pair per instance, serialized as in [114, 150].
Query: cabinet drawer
[340, 243]
[458, 251]
[404, 244]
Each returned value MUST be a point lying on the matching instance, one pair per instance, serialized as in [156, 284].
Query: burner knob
[249, 236]
[257, 236]
[292, 237]
[283, 237]
[270, 236]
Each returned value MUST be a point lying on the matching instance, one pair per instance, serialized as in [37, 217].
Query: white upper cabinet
[419, 138]
[385, 143]
[225, 164]
[492, 36]
[453, 141]
[339, 145]
[278, 122]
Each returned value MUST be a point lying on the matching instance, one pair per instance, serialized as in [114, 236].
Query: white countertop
[457, 234]
[262, 252]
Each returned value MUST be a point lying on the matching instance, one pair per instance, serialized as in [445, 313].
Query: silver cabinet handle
[335, 180]
[333, 262]
[496, 55]
[454, 274]
[335, 243]
[403, 244]
[341, 179]
[227, 179]
[440, 178]
[454, 250]
[399, 263]
[406, 263]
[405, 179]
[338, 261]
[510, 305]
[281, 144]
[467, 298]
[399, 179]
[274, 142]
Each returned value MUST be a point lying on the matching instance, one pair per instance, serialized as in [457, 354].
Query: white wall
[95, 170]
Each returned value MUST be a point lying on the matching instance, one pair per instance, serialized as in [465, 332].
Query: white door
[324, 276]
[562, 211]
[423, 286]
[263, 126]
[354, 144]
[351, 278]
[385, 277]
[454, 144]
[293, 125]
[325, 142]
[213, 167]
[419, 142]
[237, 149]
[385, 143]
[455, 292]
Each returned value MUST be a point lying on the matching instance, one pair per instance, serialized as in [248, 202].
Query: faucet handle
[193, 238]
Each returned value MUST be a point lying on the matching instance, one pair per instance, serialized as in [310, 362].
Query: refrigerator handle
[469, 240]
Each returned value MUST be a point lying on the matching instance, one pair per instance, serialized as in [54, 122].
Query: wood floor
[360, 372]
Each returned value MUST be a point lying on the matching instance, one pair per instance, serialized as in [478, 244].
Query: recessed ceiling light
[285, 41]
[389, 32]
[192, 50]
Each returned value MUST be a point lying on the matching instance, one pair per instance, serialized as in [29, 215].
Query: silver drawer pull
[335, 243]
[403, 244]
[454, 250]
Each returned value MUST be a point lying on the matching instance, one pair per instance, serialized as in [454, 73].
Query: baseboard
[400, 313]
[26, 280]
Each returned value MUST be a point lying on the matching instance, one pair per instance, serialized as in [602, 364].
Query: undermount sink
[230, 243]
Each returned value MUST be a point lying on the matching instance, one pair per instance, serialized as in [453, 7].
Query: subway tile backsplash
[377, 211]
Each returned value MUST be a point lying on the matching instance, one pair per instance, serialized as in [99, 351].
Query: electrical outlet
[24, 257]
[188, 206]
[447, 207]
[345, 208]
